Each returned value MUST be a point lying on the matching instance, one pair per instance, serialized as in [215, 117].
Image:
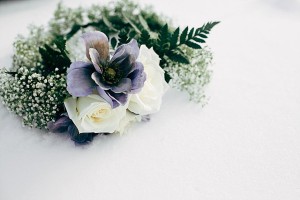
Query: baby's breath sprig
[35, 98]
[35, 86]
[192, 77]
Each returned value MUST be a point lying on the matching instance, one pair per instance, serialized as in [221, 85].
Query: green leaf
[53, 58]
[107, 23]
[132, 34]
[144, 23]
[167, 77]
[123, 37]
[113, 42]
[145, 39]
[191, 33]
[199, 40]
[193, 45]
[202, 35]
[174, 38]
[177, 57]
[183, 35]
[131, 23]
[163, 35]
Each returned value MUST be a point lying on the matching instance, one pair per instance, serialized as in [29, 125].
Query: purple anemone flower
[113, 78]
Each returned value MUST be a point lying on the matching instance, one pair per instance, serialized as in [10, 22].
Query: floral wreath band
[118, 75]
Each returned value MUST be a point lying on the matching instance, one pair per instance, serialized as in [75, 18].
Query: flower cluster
[116, 76]
[27, 48]
[109, 93]
[194, 77]
[33, 97]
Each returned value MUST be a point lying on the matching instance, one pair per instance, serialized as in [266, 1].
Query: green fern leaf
[193, 45]
[202, 35]
[145, 39]
[191, 33]
[163, 35]
[183, 35]
[174, 38]
[198, 40]
[177, 57]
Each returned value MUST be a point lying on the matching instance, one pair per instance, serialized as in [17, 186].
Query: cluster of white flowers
[65, 17]
[93, 114]
[27, 48]
[194, 77]
[35, 98]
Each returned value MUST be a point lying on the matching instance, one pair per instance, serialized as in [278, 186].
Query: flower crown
[129, 58]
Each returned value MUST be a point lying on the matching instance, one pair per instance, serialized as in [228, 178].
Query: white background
[244, 145]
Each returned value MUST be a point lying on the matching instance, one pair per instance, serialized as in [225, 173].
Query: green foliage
[54, 57]
[145, 39]
[147, 28]
[41, 60]
[113, 42]
[123, 37]
[168, 44]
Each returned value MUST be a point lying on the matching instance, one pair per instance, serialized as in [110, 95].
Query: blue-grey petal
[60, 126]
[79, 81]
[125, 56]
[79, 64]
[96, 60]
[98, 41]
[123, 86]
[138, 78]
[105, 96]
[132, 48]
[98, 80]
[120, 98]
[79, 138]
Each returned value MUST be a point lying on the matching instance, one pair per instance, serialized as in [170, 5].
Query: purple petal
[123, 86]
[125, 56]
[79, 81]
[98, 80]
[114, 99]
[79, 138]
[96, 60]
[120, 98]
[103, 94]
[98, 41]
[78, 65]
[60, 126]
[138, 78]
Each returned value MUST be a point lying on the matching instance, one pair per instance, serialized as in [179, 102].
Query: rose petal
[59, 126]
[79, 81]
[98, 80]
[123, 86]
[138, 78]
[98, 41]
[96, 60]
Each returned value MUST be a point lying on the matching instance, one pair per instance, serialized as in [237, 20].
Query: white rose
[149, 99]
[94, 114]
[127, 120]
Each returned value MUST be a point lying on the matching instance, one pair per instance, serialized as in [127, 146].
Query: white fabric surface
[243, 145]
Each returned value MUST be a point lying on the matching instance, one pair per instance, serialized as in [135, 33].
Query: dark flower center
[111, 72]
[110, 76]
